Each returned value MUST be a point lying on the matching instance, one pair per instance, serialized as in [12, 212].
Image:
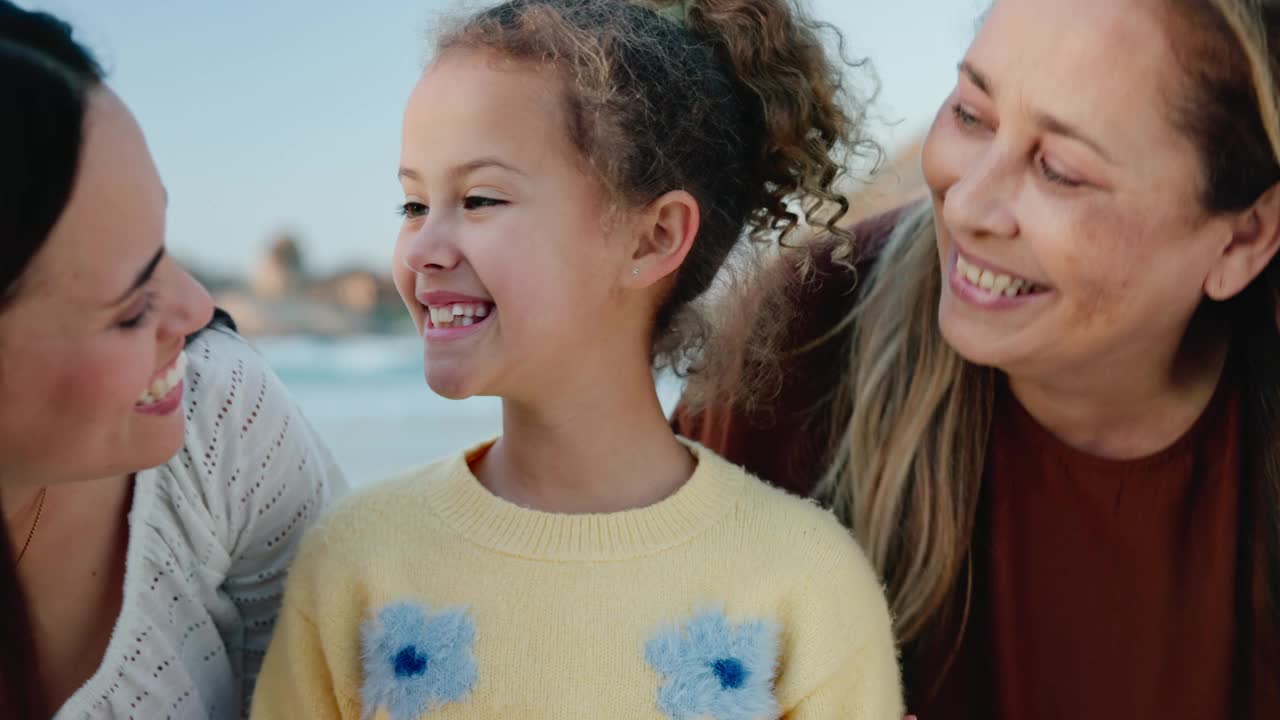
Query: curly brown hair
[738, 102]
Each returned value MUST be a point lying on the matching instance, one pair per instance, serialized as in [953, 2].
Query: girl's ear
[665, 233]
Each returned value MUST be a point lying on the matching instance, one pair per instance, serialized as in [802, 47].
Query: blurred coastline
[367, 397]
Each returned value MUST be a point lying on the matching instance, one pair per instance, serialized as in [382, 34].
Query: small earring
[635, 271]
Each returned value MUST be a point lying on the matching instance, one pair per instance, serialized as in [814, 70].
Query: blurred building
[280, 272]
[282, 297]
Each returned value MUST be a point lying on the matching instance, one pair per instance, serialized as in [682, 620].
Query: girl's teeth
[457, 315]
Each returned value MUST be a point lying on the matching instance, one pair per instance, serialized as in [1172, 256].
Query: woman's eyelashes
[1056, 177]
[139, 318]
[965, 118]
[471, 202]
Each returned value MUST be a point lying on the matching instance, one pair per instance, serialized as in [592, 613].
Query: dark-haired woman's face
[1070, 228]
[91, 345]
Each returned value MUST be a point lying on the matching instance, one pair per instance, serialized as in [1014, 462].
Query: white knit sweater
[211, 534]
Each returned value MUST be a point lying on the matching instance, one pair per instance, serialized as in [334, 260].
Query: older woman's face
[89, 344]
[1070, 228]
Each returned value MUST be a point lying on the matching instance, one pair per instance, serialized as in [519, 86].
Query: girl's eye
[476, 202]
[1055, 177]
[411, 209]
[963, 116]
[137, 320]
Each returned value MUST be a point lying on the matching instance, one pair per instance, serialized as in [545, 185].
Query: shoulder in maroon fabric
[1109, 589]
[787, 441]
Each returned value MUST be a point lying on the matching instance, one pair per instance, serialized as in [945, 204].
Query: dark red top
[1108, 589]
[1102, 589]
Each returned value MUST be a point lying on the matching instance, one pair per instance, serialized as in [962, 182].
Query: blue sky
[271, 115]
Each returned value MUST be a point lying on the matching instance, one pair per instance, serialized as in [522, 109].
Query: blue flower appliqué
[415, 661]
[715, 669]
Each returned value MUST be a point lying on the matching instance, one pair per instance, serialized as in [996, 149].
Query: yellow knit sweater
[428, 597]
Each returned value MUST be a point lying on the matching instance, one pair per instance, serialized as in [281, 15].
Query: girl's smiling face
[505, 259]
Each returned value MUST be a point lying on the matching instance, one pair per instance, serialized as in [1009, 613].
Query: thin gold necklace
[34, 525]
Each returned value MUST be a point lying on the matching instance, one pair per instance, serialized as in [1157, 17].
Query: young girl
[575, 173]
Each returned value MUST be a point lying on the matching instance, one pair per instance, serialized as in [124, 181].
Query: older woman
[153, 485]
[1050, 406]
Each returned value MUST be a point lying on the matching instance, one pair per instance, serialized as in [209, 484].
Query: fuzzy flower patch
[712, 668]
[415, 661]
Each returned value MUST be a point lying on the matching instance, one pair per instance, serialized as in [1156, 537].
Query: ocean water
[367, 398]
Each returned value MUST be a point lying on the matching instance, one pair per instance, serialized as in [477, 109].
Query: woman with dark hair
[154, 475]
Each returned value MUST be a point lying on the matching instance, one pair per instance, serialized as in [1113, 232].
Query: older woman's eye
[1056, 177]
[963, 116]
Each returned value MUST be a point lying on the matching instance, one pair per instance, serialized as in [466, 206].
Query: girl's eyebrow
[465, 169]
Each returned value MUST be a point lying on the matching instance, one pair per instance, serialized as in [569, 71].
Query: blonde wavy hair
[914, 416]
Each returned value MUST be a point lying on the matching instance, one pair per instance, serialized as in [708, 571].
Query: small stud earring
[635, 271]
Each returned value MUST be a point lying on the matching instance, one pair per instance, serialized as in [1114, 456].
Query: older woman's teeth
[457, 315]
[165, 384]
[994, 283]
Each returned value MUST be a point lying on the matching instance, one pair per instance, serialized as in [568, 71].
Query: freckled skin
[1126, 253]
